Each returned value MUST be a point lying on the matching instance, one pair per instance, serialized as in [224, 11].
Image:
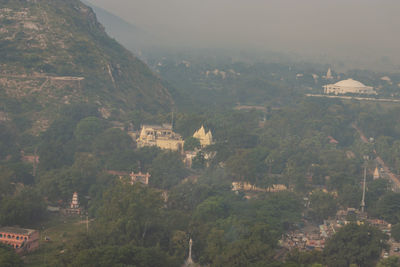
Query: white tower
[189, 262]
[329, 74]
[75, 201]
[364, 184]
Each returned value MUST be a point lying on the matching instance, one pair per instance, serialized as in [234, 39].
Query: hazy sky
[359, 27]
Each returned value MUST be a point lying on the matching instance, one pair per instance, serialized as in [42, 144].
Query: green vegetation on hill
[43, 40]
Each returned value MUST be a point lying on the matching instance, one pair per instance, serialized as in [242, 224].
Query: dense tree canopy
[353, 244]
[8, 257]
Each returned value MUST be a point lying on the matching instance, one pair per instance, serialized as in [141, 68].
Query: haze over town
[356, 33]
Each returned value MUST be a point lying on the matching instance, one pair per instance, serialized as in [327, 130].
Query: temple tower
[377, 175]
[75, 201]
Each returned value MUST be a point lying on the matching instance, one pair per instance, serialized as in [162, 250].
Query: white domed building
[349, 86]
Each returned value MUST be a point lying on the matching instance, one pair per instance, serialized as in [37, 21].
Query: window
[17, 237]
[1, 235]
[9, 236]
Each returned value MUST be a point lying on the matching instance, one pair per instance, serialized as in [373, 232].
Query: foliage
[7, 141]
[8, 257]
[126, 255]
[389, 262]
[323, 205]
[395, 232]
[167, 170]
[353, 244]
[305, 258]
[191, 144]
[87, 129]
[24, 209]
[112, 140]
[199, 162]
[130, 214]
[388, 208]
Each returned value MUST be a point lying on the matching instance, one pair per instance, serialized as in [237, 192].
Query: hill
[56, 53]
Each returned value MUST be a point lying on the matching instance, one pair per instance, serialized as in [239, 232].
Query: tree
[105, 256]
[86, 130]
[361, 245]
[191, 143]
[112, 140]
[26, 208]
[323, 205]
[280, 210]
[396, 232]
[7, 181]
[8, 257]
[130, 214]
[211, 209]
[376, 189]
[7, 141]
[167, 170]
[389, 262]
[199, 162]
[305, 258]
[350, 196]
[388, 208]
[241, 167]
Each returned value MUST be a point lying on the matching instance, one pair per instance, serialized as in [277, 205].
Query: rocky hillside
[55, 53]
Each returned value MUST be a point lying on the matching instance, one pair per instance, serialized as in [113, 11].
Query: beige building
[349, 86]
[139, 178]
[161, 136]
[206, 139]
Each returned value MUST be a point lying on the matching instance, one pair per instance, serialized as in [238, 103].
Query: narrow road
[392, 176]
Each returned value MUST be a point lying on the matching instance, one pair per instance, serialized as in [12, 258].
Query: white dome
[350, 83]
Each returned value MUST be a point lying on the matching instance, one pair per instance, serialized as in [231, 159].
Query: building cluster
[161, 136]
[139, 177]
[132, 177]
[314, 238]
[164, 137]
[22, 240]
[306, 238]
[245, 186]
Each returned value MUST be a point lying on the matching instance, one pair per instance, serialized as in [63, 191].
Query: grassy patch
[60, 230]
